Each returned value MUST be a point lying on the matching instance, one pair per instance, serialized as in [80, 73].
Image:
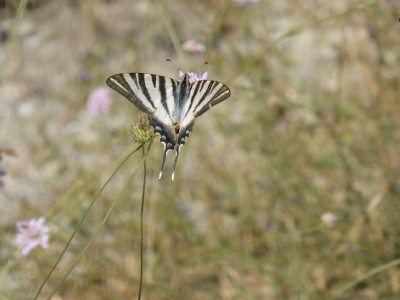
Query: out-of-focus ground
[311, 130]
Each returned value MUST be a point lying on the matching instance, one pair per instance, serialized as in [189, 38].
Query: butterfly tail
[163, 162]
[176, 161]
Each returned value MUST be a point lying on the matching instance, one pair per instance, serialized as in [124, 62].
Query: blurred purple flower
[192, 46]
[244, 2]
[2, 173]
[329, 219]
[194, 76]
[32, 234]
[83, 75]
[99, 101]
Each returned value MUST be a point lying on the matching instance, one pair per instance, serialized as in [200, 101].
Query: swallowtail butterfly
[171, 105]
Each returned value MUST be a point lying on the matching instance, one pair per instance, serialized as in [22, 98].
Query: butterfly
[171, 105]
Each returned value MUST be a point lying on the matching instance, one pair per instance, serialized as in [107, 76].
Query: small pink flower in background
[99, 101]
[192, 46]
[244, 2]
[329, 219]
[194, 76]
[31, 234]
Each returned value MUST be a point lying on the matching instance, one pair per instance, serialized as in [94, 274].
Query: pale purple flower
[192, 46]
[31, 234]
[99, 101]
[244, 2]
[194, 76]
[328, 219]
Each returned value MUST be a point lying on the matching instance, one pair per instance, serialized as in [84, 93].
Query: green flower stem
[80, 224]
[365, 277]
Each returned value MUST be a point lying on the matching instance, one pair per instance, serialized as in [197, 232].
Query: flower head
[194, 76]
[328, 219]
[192, 46]
[32, 234]
[142, 132]
[99, 101]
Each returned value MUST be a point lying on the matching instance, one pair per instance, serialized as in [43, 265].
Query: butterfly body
[171, 105]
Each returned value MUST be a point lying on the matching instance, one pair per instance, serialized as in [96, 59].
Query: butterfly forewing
[152, 94]
[203, 95]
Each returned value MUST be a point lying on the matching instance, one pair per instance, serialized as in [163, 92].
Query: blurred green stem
[373, 272]
[172, 33]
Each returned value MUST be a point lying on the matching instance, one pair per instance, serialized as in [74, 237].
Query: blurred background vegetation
[287, 190]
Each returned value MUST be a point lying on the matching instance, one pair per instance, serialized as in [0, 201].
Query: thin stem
[13, 31]
[172, 34]
[103, 222]
[17, 20]
[80, 223]
[366, 276]
[141, 222]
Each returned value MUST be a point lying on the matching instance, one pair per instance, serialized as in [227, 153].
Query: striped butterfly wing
[152, 94]
[203, 95]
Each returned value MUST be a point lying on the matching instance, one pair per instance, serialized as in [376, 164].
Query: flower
[99, 101]
[194, 76]
[2, 173]
[244, 2]
[328, 219]
[192, 46]
[142, 132]
[32, 234]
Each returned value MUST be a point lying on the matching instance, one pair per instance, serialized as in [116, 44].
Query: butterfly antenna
[198, 67]
[163, 161]
[175, 162]
[173, 63]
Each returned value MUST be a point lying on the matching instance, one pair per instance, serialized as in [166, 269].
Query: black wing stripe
[193, 96]
[121, 84]
[144, 89]
[163, 93]
[210, 88]
[134, 79]
[173, 82]
[125, 84]
[154, 79]
[222, 94]
[174, 87]
[202, 84]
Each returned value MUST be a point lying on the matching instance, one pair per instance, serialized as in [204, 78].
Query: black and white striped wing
[152, 94]
[203, 95]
